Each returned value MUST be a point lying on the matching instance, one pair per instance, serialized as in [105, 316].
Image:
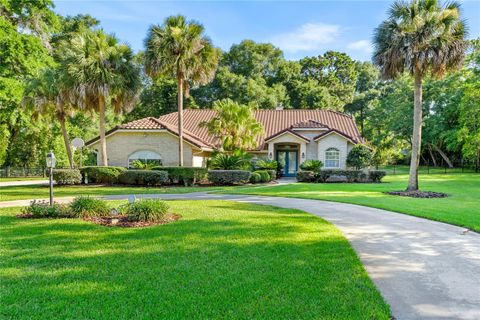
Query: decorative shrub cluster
[376, 175]
[255, 177]
[228, 177]
[266, 165]
[42, 209]
[143, 177]
[67, 176]
[264, 175]
[146, 210]
[223, 161]
[184, 175]
[106, 175]
[87, 207]
[340, 176]
[311, 165]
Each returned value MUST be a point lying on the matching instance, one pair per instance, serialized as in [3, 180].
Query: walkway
[424, 269]
[14, 183]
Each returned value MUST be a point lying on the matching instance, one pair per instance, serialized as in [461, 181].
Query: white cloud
[361, 45]
[310, 36]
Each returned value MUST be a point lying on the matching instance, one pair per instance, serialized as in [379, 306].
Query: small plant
[67, 176]
[145, 165]
[42, 209]
[359, 157]
[264, 175]
[86, 207]
[146, 210]
[255, 177]
[376, 175]
[266, 165]
[227, 162]
[311, 165]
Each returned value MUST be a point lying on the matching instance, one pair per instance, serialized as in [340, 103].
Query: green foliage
[143, 177]
[266, 164]
[376, 175]
[42, 209]
[184, 175]
[146, 210]
[272, 174]
[97, 174]
[228, 177]
[359, 157]
[306, 176]
[255, 177]
[148, 165]
[87, 207]
[67, 176]
[264, 175]
[222, 161]
[311, 165]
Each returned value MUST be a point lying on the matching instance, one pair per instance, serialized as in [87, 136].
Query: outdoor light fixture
[50, 161]
[303, 155]
[270, 155]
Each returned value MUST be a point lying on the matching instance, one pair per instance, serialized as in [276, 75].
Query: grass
[39, 191]
[221, 260]
[461, 208]
[22, 179]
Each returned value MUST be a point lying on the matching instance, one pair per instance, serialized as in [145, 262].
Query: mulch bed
[418, 194]
[122, 221]
[30, 216]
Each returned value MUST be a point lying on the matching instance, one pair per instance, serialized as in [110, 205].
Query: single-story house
[291, 137]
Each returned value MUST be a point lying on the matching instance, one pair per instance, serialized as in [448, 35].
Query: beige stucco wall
[334, 141]
[121, 145]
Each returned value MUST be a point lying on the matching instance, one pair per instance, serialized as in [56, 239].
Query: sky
[299, 28]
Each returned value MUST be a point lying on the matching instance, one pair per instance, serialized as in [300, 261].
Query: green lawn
[461, 208]
[221, 260]
[21, 179]
[38, 191]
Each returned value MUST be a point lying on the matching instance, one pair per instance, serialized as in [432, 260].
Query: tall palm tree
[49, 96]
[103, 73]
[424, 38]
[179, 49]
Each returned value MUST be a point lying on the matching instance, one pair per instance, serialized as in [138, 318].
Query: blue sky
[299, 28]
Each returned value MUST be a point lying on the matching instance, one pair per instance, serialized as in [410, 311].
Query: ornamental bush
[255, 177]
[376, 175]
[67, 176]
[106, 175]
[266, 165]
[311, 165]
[306, 176]
[42, 209]
[354, 175]
[86, 207]
[184, 175]
[143, 177]
[273, 174]
[228, 177]
[146, 210]
[264, 175]
[359, 157]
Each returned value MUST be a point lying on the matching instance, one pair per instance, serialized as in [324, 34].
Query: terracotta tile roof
[273, 122]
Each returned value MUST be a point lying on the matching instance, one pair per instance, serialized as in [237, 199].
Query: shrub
[148, 165]
[324, 175]
[42, 209]
[85, 207]
[107, 175]
[306, 176]
[266, 165]
[67, 176]
[143, 177]
[311, 165]
[228, 177]
[359, 157]
[255, 177]
[376, 175]
[354, 175]
[146, 210]
[184, 175]
[264, 175]
[273, 174]
[227, 162]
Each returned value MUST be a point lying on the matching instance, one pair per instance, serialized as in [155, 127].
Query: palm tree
[425, 38]
[49, 96]
[235, 125]
[179, 49]
[103, 73]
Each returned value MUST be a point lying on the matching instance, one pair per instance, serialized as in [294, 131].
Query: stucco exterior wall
[121, 145]
[334, 141]
[311, 147]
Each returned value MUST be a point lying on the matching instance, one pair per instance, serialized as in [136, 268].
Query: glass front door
[288, 160]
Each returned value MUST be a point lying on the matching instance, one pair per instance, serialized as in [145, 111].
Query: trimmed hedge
[106, 175]
[376, 175]
[306, 176]
[228, 177]
[86, 207]
[255, 177]
[147, 210]
[143, 177]
[264, 175]
[340, 176]
[184, 175]
[67, 176]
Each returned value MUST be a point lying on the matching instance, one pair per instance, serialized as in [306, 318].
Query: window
[332, 158]
[146, 157]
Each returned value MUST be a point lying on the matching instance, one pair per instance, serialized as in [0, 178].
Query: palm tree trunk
[180, 121]
[66, 140]
[103, 140]
[417, 133]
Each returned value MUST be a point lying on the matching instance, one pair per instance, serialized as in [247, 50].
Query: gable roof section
[333, 131]
[287, 131]
[274, 122]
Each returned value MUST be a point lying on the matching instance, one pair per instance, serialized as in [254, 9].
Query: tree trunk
[444, 156]
[103, 141]
[180, 121]
[431, 155]
[66, 140]
[417, 133]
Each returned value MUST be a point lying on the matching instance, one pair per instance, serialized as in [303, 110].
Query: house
[291, 137]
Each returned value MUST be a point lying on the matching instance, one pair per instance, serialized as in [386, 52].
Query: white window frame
[332, 158]
[144, 156]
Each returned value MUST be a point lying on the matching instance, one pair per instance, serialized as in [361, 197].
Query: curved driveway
[424, 269]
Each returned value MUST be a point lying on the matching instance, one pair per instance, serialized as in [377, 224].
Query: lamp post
[50, 161]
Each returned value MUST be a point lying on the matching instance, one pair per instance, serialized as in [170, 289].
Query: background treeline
[30, 33]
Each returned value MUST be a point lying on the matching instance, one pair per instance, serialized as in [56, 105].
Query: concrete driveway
[424, 269]
[22, 183]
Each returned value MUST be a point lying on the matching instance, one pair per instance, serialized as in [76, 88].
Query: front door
[288, 160]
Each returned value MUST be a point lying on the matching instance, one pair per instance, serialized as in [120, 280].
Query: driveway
[22, 183]
[424, 269]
